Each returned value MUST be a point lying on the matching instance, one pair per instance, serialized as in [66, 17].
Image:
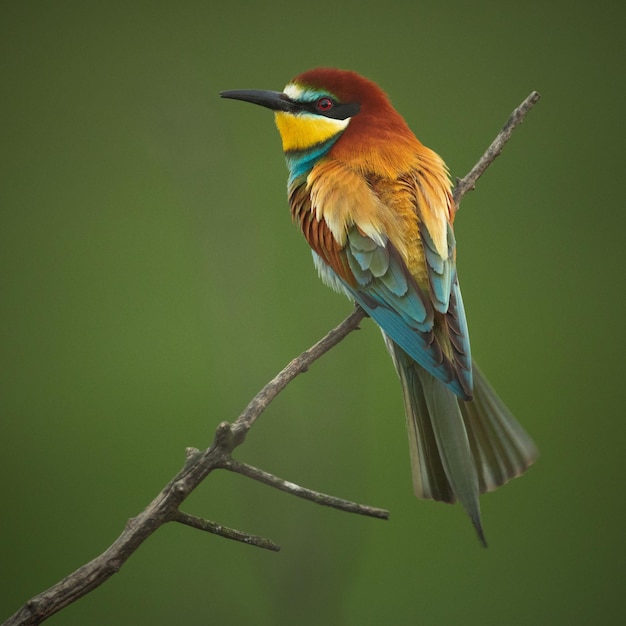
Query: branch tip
[224, 531]
[468, 183]
[302, 492]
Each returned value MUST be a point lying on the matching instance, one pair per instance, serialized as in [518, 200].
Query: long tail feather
[501, 447]
[452, 444]
[459, 449]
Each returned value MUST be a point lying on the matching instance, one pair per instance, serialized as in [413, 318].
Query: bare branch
[160, 511]
[225, 531]
[302, 492]
[300, 364]
[199, 464]
[164, 508]
[468, 183]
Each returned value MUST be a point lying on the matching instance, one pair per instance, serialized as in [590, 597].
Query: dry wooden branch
[302, 492]
[199, 464]
[225, 531]
[468, 183]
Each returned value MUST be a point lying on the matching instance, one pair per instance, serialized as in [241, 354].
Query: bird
[375, 206]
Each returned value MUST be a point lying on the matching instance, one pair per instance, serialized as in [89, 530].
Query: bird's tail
[459, 449]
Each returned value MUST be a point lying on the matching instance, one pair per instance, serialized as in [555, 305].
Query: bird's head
[323, 104]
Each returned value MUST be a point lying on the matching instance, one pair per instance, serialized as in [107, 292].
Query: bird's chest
[332, 201]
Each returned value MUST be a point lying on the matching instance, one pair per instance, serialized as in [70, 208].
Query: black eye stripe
[339, 110]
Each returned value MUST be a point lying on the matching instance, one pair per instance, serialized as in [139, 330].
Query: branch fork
[199, 464]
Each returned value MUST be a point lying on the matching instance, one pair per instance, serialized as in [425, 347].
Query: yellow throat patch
[300, 132]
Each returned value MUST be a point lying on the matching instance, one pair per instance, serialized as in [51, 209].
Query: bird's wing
[434, 211]
[352, 230]
[388, 292]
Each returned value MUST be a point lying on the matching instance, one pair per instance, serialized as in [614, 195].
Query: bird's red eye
[324, 104]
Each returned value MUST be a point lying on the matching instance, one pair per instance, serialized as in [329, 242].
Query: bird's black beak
[274, 100]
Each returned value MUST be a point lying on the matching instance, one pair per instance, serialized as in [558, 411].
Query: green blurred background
[152, 282]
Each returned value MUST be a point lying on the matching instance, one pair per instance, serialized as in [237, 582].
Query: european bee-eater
[375, 206]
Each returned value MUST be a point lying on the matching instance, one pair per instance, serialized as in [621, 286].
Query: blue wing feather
[392, 298]
[440, 271]
[387, 291]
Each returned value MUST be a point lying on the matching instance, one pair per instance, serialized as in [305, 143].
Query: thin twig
[463, 185]
[302, 492]
[225, 531]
